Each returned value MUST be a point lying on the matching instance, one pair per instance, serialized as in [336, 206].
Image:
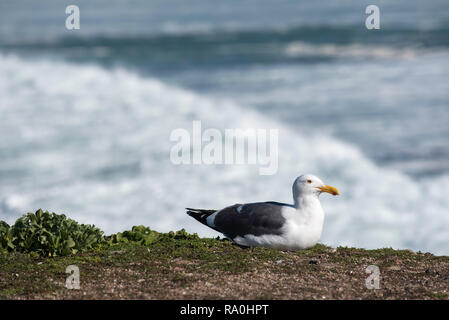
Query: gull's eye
[309, 181]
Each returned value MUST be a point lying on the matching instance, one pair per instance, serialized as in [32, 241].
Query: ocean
[86, 115]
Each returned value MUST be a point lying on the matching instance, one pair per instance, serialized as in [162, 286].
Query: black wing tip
[207, 211]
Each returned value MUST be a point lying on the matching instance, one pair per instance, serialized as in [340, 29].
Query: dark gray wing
[253, 218]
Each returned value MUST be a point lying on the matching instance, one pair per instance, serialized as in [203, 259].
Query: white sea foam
[301, 49]
[94, 144]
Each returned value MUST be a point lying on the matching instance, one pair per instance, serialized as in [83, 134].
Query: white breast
[302, 230]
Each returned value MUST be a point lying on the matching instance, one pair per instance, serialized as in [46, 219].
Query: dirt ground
[215, 269]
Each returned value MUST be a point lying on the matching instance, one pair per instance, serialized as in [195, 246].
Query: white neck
[309, 207]
[303, 201]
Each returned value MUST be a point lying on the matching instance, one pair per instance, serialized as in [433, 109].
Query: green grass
[143, 261]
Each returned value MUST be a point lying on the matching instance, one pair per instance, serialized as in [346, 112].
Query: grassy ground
[216, 269]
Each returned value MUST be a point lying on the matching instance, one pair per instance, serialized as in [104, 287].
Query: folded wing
[257, 219]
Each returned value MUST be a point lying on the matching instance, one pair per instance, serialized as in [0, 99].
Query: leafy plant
[140, 234]
[50, 234]
[145, 236]
[180, 235]
[5, 237]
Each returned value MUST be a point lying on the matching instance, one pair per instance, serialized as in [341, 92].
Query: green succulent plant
[6, 237]
[49, 234]
[145, 236]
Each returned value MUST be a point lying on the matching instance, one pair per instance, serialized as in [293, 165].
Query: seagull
[273, 224]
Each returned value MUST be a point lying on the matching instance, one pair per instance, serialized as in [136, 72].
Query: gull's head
[308, 184]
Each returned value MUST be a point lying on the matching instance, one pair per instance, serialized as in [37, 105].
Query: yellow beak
[329, 189]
